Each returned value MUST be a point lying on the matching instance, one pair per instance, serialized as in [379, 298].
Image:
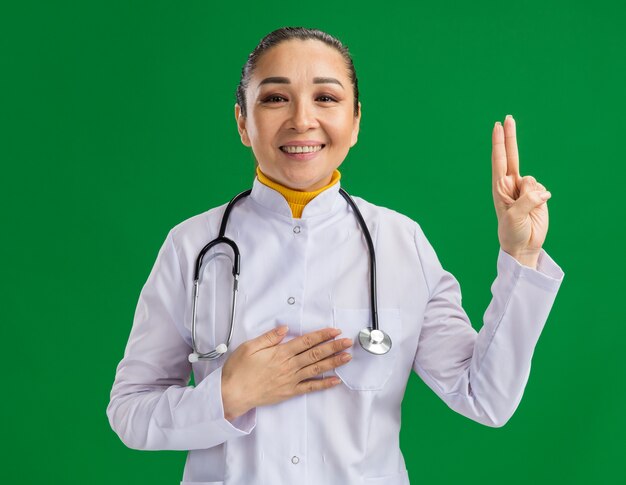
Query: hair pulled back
[287, 33]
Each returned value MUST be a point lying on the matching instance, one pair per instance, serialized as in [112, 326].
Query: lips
[303, 143]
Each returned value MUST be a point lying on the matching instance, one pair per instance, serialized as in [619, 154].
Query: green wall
[117, 123]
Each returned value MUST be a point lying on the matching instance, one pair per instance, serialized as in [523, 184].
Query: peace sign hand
[520, 202]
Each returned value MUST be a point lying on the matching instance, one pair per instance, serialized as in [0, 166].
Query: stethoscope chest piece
[374, 341]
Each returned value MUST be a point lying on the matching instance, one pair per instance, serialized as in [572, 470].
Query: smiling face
[299, 94]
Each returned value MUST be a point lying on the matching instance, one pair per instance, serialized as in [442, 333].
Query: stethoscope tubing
[370, 247]
[366, 336]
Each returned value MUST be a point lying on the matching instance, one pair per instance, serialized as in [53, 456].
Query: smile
[302, 149]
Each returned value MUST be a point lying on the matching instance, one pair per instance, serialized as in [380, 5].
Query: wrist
[231, 403]
[526, 258]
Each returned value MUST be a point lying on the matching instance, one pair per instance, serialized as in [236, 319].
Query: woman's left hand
[520, 202]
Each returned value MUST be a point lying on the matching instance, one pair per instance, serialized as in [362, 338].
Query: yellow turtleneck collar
[295, 198]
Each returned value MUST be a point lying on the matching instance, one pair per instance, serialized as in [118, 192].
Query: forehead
[303, 59]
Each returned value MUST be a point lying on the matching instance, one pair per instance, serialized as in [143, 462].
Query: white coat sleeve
[482, 375]
[152, 407]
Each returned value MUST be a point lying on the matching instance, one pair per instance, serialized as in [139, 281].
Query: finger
[322, 366]
[268, 339]
[527, 184]
[306, 341]
[319, 352]
[529, 201]
[510, 142]
[316, 385]
[498, 153]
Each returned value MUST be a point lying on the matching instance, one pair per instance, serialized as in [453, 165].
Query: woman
[282, 405]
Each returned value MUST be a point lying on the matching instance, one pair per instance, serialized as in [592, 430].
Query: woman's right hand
[260, 371]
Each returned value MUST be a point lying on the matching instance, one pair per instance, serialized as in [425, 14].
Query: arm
[483, 375]
[151, 405]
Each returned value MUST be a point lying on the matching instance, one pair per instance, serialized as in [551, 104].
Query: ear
[241, 126]
[355, 127]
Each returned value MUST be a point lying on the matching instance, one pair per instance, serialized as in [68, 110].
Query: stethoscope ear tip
[221, 349]
[195, 356]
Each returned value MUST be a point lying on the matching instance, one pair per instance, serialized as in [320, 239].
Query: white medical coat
[310, 273]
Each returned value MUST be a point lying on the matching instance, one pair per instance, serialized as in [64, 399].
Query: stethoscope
[371, 338]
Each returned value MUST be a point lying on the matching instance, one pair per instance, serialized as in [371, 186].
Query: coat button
[291, 300]
[296, 230]
[295, 460]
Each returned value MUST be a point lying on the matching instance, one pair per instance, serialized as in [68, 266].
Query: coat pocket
[401, 478]
[367, 371]
[201, 483]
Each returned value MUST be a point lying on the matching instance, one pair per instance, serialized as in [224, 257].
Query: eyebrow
[285, 80]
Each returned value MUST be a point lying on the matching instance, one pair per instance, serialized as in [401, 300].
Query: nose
[303, 116]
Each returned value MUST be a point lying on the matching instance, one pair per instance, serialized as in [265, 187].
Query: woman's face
[299, 95]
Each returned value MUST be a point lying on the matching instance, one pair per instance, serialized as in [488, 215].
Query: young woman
[308, 382]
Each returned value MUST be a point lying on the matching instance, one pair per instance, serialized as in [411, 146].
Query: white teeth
[301, 149]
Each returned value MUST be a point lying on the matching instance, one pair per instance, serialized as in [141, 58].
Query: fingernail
[509, 116]
[282, 330]
[546, 195]
[346, 358]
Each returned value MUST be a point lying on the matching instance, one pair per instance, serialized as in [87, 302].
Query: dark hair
[287, 33]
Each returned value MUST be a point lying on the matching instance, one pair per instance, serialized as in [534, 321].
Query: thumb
[269, 339]
[527, 202]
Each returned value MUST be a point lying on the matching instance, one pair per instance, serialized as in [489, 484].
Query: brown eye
[329, 98]
[273, 98]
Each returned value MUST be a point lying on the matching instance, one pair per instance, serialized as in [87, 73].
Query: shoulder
[385, 216]
[396, 227]
[198, 227]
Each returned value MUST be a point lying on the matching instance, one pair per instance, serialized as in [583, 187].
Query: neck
[296, 199]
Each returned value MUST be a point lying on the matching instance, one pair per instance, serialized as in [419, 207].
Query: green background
[117, 123]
